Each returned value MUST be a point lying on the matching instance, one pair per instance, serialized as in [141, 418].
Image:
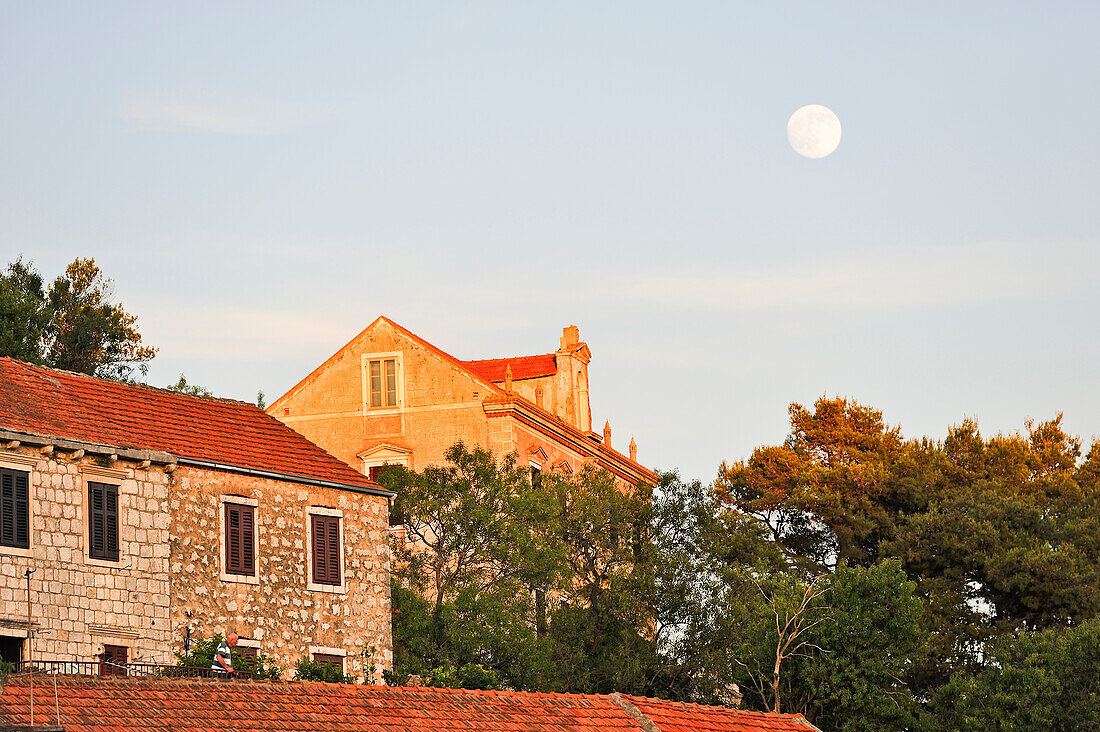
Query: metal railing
[111, 668]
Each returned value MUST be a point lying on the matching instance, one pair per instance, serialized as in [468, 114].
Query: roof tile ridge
[643, 721]
[125, 384]
[507, 358]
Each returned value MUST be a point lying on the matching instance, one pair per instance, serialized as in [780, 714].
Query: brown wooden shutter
[114, 661]
[103, 521]
[248, 541]
[240, 533]
[333, 550]
[14, 508]
[329, 659]
[326, 549]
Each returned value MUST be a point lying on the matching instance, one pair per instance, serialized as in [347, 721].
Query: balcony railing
[110, 668]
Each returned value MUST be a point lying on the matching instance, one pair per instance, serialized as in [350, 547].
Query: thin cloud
[232, 333]
[899, 278]
[195, 110]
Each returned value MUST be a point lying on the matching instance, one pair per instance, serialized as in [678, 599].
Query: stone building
[132, 518]
[389, 396]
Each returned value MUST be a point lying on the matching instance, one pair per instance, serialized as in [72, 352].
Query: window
[536, 476]
[249, 655]
[103, 521]
[328, 659]
[326, 549]
[240, 539]
[11, 649]
[113, 661]
[15, 523]
[382, 375]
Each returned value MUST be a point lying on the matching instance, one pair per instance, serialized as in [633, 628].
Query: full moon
[813, 131]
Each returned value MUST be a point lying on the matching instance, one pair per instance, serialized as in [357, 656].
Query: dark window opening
[329, 659]
[15, 514]
[536, 476]
[326, 549]
[103, 521]
[113, 661]
[240, 540]
[11, 649]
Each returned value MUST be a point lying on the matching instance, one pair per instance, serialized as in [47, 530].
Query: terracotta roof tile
[680, 717]
[65, 405]
[523, 367]
[91, 704]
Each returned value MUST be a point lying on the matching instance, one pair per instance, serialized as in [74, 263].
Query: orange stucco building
[389, 396]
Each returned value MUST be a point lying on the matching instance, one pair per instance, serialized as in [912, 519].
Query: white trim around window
[399, 375]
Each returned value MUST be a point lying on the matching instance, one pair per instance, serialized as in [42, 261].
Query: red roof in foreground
[64, 405]
[91, 704]
[523, 367]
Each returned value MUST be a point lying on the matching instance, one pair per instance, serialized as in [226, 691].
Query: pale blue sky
[262, 180]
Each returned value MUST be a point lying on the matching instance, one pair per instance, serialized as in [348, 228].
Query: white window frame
[342, 588]
[399, 373]
[240, 501]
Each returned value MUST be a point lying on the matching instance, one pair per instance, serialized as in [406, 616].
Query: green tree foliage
[24, 314]
[1048, 680]
[73, 324]
[546, 585]
[309, 670]
[185, 387]
[864, 651]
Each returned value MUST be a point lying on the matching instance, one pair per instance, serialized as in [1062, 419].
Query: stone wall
[280, 613]
[78, 603]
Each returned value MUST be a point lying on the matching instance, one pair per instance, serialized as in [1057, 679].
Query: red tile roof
[523, 367]
[64, 405]
[90, 704]
[679, 717]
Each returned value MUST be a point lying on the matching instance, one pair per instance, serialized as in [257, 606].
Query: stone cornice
[608, 458]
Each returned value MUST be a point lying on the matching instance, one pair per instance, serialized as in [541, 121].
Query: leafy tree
[870, 640]
[24, 316]
[89, 333]
[1048, 680]
[826, 493]
[547, 584]
[184, 387]
[73, 324]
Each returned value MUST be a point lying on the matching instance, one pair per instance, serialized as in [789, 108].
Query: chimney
[607, 433]
[633, 450]
[570, 336]
[508, 378]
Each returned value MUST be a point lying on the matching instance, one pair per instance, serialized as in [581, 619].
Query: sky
[262, 180]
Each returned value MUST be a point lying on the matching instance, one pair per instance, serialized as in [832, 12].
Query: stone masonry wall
[78, 603]
[280, 613]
